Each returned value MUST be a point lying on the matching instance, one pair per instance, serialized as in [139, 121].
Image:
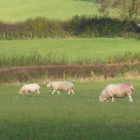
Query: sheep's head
[20, 92]
[100, 99]
[49, 84]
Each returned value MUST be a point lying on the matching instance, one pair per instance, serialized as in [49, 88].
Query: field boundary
[78, 26]
[29, 73]
[69, 66]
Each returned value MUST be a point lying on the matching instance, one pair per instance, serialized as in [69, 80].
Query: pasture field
[69, 117]
[15, 10]
[72, 48]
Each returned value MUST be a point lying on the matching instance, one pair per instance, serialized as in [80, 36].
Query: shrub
[80, 26]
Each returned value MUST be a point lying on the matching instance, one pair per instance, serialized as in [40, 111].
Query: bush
[80, 26]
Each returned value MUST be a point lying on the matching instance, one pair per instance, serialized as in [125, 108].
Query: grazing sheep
[118, 91]
[61, 86]
[27, 88]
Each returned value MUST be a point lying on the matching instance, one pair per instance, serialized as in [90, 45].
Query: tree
[125, 8]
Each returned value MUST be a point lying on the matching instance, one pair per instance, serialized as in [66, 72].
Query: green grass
[68, 117]
[16, 10]
[72, 48]
[65, 117]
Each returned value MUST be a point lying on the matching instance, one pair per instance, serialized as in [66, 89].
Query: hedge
[77, 26]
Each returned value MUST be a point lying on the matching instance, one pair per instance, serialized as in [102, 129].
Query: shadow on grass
[58, 128]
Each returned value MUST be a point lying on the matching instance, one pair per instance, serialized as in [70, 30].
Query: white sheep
[61, 86]
[28, 88]
[118, 91]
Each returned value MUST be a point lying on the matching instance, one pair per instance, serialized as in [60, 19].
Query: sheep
[61, 86]
[28, 88]
[118, 91]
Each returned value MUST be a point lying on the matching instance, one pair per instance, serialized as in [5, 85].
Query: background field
[71, 117]
[16, 10]
[71, 48]
[65, 117]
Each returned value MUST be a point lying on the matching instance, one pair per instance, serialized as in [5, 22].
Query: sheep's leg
[112, 99]
[53, 91]
[38, 92]
[58, 92]
[130, 99]
[72, 91]
[28, 92]
[69, 92]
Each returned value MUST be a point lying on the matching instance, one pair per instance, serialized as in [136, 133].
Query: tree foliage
[125, 8]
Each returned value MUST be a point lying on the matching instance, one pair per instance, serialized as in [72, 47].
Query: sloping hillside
[16, 10]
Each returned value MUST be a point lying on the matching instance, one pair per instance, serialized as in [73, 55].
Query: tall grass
[128, 57]
[36, 59]
[33, 59]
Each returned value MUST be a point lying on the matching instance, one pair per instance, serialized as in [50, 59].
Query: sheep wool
[116, 91]
[61, 86]
[28, 88]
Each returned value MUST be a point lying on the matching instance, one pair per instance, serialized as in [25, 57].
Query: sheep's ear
[49, 84]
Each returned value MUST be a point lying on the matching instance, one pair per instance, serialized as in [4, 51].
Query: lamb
[28, 88]
[61, 86]
[118, 91]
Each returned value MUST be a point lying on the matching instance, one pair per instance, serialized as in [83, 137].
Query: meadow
[70, 47]
[68, 117]
[13, 11]
[95, 52]
[65, 117]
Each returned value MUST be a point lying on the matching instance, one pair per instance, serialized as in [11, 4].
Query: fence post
[92, 74]
[64, 75]
[4, 35]
[47, 74]
[75, 75]
[31, 34]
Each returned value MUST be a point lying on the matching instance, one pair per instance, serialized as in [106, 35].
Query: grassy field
[16, 10]
[68, 117]
[65, 117]
[71, 48]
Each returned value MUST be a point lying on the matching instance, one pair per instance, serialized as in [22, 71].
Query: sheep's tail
[72, 85]
[132, 88]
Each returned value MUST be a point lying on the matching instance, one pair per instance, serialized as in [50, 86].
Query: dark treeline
[77, 26]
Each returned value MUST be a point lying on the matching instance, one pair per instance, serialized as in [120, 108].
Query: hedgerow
[79, 26]
[23, 68]
[24, 74]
